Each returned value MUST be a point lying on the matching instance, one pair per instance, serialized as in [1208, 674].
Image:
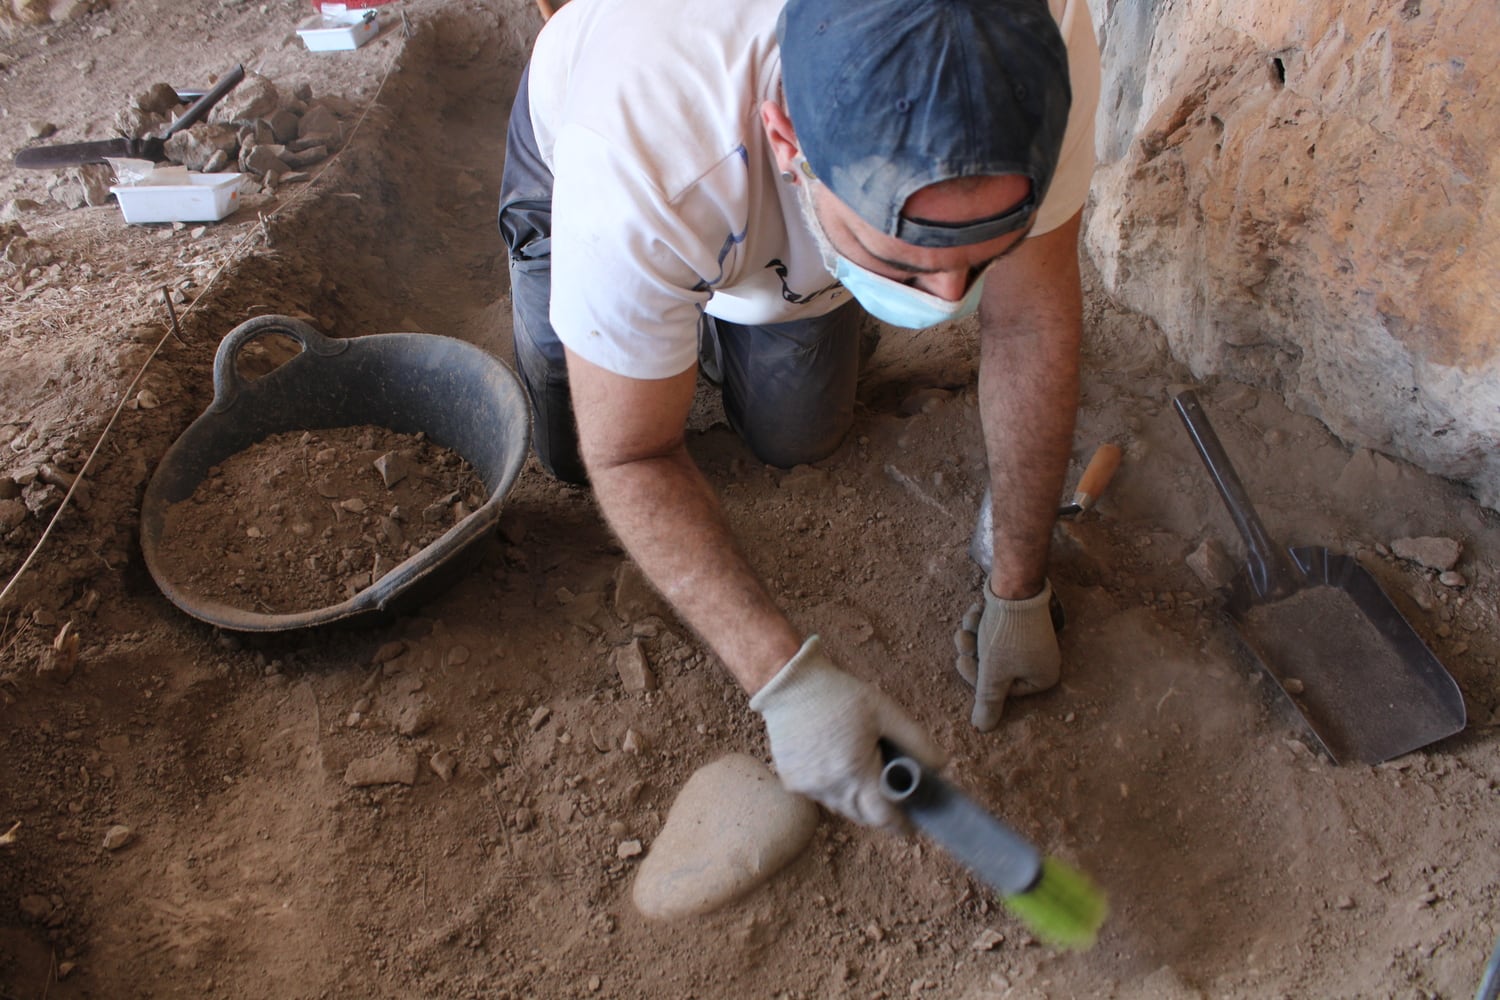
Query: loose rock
[195, 147]
[61, 658]
[988, 940]
[1211, 564]
[262, 160]
[732, 827]
[319, 121]
[393, 767]
[1430, 551]
[393, 467]
[254, 97]
[117, 837]
[96, 179]
[159, 99]
[283, 123]
[12, 515]
[415, 715]
[387, 652]
[635, 672]
[443, 764]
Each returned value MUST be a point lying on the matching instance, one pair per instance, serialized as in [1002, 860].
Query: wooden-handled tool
[1096, 476]
[1100, 470]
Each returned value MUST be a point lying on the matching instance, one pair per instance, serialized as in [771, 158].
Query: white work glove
[1009, 648]
[824, 727]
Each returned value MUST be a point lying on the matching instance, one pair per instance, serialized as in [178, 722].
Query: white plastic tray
[197, 198]
[340, 32]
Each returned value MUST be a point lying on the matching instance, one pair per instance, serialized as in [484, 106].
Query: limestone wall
[1303, 196]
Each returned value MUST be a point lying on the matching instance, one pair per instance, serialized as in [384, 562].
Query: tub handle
[229, 383]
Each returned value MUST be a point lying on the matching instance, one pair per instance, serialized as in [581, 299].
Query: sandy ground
[1240, 861]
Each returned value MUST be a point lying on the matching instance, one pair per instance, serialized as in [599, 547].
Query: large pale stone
[732, 827]
[1304, 197]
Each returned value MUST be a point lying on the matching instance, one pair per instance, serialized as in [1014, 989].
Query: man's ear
[782, 136]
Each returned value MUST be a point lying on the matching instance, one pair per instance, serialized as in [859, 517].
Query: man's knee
[785, 448]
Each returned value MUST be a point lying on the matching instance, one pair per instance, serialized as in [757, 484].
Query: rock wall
[1303, 196]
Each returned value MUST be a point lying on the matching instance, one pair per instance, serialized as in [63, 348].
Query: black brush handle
[996, 855]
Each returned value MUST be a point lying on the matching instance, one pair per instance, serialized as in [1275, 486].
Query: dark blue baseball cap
[889, 96]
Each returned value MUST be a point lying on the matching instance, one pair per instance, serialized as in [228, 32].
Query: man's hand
[1007, 647]
[824, 726]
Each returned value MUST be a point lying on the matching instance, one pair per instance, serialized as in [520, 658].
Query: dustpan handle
[1271, 571]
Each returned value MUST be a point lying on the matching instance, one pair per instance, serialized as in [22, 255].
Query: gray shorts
[788, 387]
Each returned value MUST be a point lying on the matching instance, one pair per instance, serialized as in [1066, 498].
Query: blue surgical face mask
[882, 297]
[903, 305]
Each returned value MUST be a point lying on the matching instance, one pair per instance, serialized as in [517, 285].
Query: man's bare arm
[668, 517]
[1031, 320]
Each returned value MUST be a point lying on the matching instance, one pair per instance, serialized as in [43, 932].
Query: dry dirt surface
[185, 813]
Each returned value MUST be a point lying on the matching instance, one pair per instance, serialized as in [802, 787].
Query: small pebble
[443, 764]
[634, 669]
[629, 849]
[117, 837]
[394, 766]
[387, 652]
[1452, 578]
[392, 468]
[988, 940]
[539, 717]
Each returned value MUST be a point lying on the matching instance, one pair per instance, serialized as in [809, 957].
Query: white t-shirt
[667, 201]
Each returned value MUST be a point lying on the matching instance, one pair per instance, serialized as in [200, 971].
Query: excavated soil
[301, 521]
[1240, 861]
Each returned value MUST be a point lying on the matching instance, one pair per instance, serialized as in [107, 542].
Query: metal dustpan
[1321, 626]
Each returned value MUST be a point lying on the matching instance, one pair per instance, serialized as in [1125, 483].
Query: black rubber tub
[456, 394]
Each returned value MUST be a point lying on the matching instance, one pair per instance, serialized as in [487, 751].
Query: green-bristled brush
[1057, 903]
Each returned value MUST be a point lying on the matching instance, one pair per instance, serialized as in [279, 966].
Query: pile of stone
[257, 129]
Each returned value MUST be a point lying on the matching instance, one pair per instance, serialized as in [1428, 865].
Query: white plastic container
[197, 198]
[338, 32]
